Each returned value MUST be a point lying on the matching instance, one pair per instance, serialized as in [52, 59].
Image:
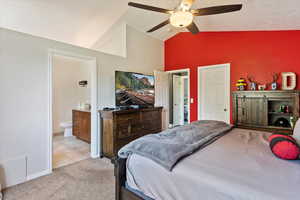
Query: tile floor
[68, 150]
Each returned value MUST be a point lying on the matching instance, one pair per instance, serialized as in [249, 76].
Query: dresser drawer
[128, 125]
[151, 121]
[127, 130]
[122, 142]
[123, 118]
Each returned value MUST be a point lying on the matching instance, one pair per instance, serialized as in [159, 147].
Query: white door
[214, 93]
[178, 101]
[162, 95]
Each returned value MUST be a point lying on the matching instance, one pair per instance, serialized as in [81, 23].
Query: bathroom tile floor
[68, 150]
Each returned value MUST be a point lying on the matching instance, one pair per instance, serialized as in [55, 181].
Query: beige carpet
[85, 180]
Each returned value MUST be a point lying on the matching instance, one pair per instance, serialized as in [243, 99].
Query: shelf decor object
[241, 84]
[253, 84]
[262, 87]
[289, 80]
[274, 84]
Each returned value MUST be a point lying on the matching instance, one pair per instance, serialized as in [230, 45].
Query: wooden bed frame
[120, 175]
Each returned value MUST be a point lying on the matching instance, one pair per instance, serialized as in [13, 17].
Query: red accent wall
[257, 53]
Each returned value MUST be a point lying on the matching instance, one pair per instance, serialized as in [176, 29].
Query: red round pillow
[275, 135]
[285, 148]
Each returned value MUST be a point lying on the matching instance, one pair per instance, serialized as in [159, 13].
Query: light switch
[192, 100]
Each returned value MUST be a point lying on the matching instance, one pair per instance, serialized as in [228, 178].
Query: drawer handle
[129, 129]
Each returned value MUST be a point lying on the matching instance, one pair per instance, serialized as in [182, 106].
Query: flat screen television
[134, 89]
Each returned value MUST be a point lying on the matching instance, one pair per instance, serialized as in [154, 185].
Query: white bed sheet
[238, 166]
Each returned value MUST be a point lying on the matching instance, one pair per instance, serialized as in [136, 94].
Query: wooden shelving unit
[263, 110]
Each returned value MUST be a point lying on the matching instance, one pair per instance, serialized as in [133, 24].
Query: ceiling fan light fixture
[182, 16]
[181, 19]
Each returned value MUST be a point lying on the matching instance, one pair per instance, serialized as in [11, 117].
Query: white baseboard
[28, 178]
[95, 155]
[37, 175]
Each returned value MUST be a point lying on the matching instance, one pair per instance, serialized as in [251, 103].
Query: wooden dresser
[82, 125]
[264, 110]
[119, 127]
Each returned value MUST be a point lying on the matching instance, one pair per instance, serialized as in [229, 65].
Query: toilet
[67, 126]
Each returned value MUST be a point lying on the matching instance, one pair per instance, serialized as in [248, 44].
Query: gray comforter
[168, 147]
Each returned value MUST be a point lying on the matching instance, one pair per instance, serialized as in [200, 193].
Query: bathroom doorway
[73, 111]
[179, 97]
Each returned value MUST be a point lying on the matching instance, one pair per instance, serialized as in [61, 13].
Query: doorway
[73, 129]
[214, 92]
[179, 98]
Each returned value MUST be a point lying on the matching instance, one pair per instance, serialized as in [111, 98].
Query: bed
[237, 166]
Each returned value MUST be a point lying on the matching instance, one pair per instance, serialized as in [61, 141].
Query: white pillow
[296, 134]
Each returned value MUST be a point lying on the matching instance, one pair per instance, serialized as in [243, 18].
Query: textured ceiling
[84, 22]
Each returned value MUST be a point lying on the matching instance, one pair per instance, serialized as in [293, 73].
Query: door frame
[181, 109]
[189, 90]
[95, 134]
[226, 66]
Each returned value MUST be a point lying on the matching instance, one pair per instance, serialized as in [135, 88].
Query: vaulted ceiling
[83, 22]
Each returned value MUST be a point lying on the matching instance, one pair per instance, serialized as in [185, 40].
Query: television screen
[134, 89]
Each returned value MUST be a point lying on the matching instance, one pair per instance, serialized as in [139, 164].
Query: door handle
[225, 110]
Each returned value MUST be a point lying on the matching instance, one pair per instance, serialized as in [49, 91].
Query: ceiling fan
[183, 16]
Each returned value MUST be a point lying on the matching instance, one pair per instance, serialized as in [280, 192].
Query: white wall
[114, 40]
[144, 55]
[67, 93]
[25, 99]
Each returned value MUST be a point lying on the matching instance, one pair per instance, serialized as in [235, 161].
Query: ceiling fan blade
[152, 8]
[217, 10]
[193, 28]
[159, 26]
